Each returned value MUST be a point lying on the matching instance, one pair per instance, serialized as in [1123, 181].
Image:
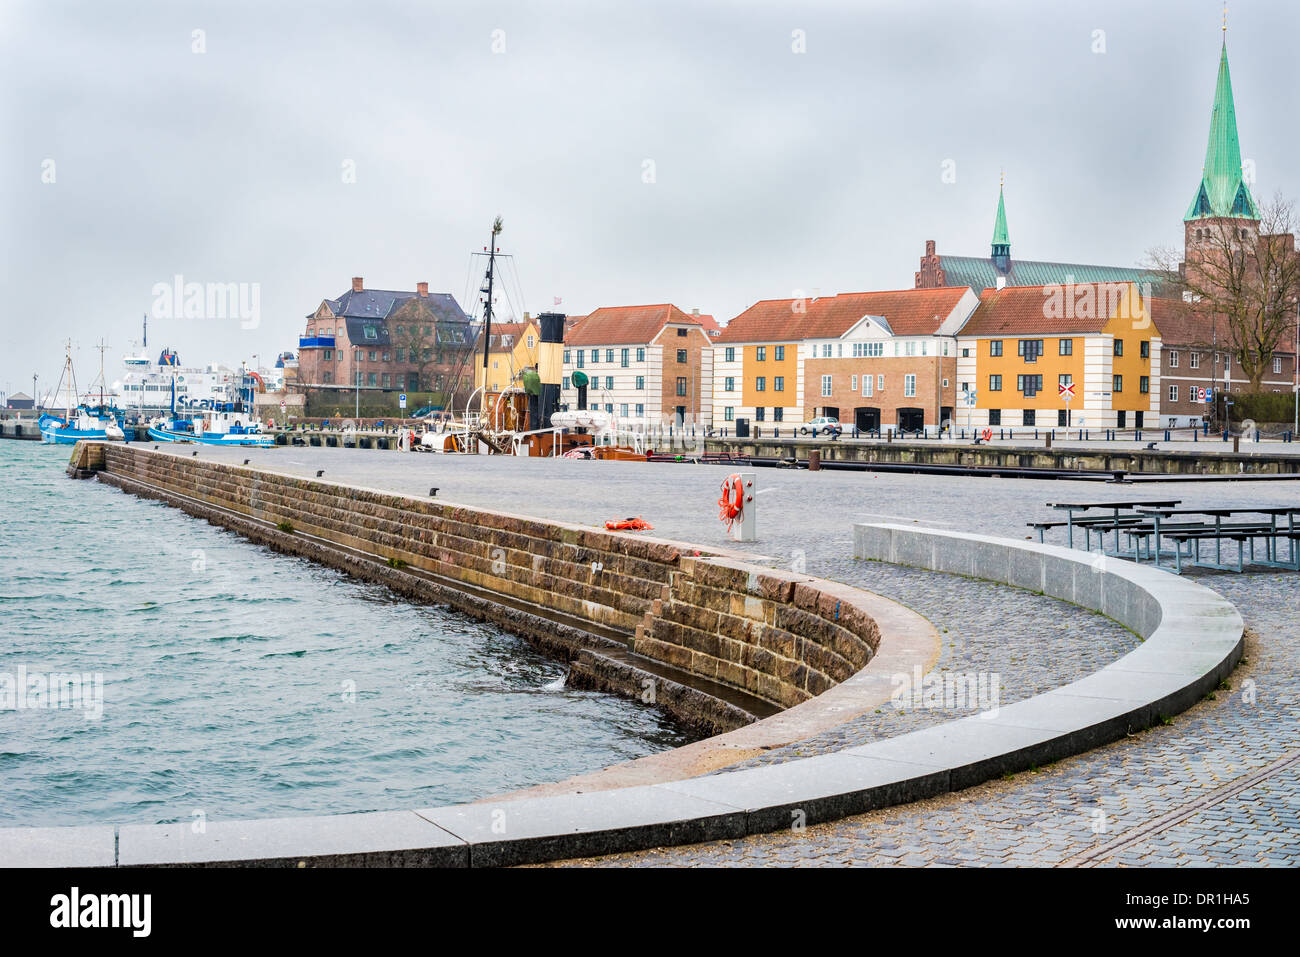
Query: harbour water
[238, 683]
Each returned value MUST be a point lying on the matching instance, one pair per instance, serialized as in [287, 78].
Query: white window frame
[827, 385]
[909, 386]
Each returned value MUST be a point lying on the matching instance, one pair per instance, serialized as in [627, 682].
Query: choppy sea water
[239, 683]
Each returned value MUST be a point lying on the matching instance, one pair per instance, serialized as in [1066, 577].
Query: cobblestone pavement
[1027, 643]
[1220, 784]
[1165, 797]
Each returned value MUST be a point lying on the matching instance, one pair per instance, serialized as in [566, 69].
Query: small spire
[1225, 21]
[1001, 250]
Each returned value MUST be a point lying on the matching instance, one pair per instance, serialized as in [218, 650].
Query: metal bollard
[814, 460]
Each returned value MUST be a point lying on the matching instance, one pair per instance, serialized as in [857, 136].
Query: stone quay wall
[725, 642]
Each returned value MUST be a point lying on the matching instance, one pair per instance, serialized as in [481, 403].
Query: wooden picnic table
[1071, 507]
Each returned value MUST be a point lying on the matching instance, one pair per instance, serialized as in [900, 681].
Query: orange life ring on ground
[988, 435]
[732, 502]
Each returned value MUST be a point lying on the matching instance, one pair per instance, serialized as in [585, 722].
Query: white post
[745, 527]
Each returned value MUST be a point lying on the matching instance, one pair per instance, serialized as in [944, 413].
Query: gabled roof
[708, 322]
[626, 325]
[1025, 311]
[1222, 191]
[909, 312]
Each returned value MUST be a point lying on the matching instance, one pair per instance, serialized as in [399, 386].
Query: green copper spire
[1000, 236]
[1222, 192]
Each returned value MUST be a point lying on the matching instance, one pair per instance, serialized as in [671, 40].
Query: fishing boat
[81, 422]
[219, 426]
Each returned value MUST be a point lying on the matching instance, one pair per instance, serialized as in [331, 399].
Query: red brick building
[385, 340]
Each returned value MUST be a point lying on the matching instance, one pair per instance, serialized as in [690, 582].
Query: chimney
[1002, 282]
[422, 290]
[695, 311]
[356, 284]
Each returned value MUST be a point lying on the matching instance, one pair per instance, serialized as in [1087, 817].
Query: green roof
[1223, 192]
[1000, 235]
[980, 273]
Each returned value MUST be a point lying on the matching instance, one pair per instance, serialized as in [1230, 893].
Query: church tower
[1222, 205]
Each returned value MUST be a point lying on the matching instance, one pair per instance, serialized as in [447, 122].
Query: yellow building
[1024, 342]
[512, 350]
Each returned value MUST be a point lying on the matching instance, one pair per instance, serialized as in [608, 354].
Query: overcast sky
[773, 170]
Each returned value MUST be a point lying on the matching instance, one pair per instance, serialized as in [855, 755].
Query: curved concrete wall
[1193, 638]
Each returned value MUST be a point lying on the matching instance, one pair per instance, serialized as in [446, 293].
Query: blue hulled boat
[221, 426]
[82, 423]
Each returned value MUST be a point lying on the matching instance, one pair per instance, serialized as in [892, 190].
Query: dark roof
[378, 303]
[357, 332]
[369, 308]
[980, 273]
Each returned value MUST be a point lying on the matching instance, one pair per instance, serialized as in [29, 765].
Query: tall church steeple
[1001, 238]
[1222, 193]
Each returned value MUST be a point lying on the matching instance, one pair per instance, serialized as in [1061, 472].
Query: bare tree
[438, 349]
[1244, 277]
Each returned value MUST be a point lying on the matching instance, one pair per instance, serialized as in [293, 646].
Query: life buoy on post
[732, 502]
[987, 435]
[736, 506]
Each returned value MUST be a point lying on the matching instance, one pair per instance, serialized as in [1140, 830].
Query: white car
[823, 423]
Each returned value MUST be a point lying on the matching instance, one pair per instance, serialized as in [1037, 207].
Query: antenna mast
[487, 310]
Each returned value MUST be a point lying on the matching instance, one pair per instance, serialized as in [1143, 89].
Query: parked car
[823, 423]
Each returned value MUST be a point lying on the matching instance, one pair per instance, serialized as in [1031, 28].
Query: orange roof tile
[632, 325]
[1024, 310]
[910, 312]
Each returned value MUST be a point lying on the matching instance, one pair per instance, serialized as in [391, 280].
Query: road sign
[970, 397]
[1066, 390]
[401, 401]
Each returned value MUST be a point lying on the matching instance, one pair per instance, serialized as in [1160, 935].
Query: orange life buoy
[732, 502]
[629, 524]
[988, 435]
